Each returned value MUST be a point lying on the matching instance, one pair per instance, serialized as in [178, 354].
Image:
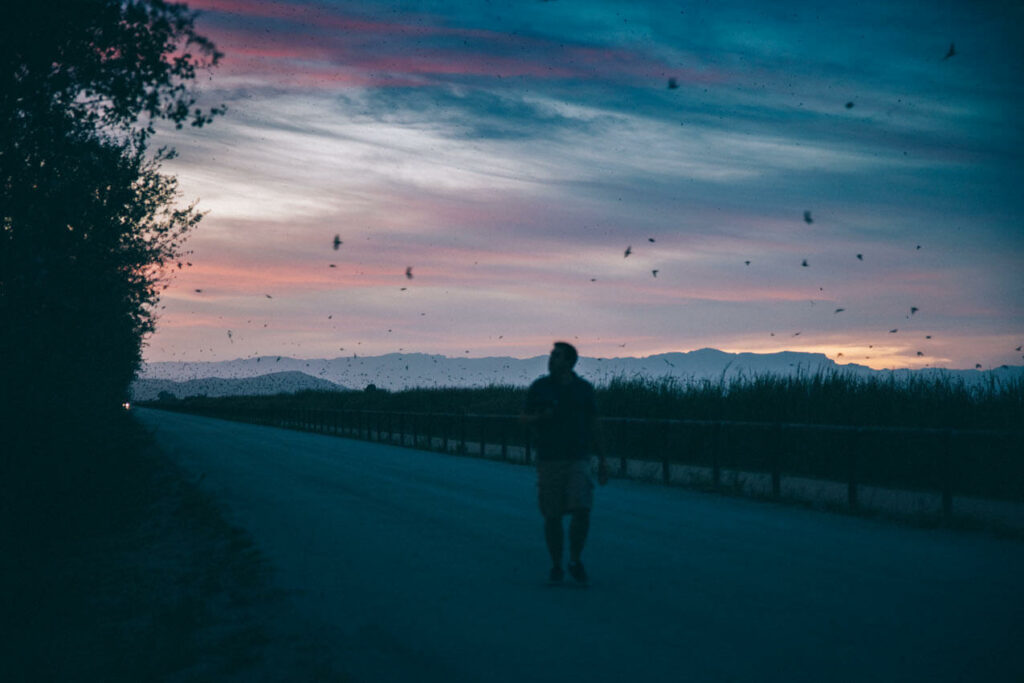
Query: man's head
[562, 359]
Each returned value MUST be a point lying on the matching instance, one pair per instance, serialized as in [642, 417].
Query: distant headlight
[126, 405]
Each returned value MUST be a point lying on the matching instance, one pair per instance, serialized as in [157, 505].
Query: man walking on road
[560, 407]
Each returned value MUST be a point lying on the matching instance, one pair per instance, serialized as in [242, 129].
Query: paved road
[427, 567]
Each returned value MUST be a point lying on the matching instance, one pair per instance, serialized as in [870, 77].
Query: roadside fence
[757, 458]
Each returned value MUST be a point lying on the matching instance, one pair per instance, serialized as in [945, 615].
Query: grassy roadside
[123, 570]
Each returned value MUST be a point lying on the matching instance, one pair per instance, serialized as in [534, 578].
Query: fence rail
[978, 463]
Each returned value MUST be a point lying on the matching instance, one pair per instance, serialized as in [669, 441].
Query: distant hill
[402, 370]
[274, 383]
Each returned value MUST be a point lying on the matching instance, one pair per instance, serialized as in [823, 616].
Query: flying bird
[839, 310]
[268, 296]
[919, 247]
[746, 263]
[807, 217]
[919, 353]
[927, 336]
[650, 239]
[849, 105]
[654, 272]
[804, 264]
[860, 257]
[977, 366]
[673, 84]
[629, 250]
[408, 272]
[199, 291]
[1018, 348]
[894, 331]
[951, 52]
[332, 266]
[337, 242]
[913, 310]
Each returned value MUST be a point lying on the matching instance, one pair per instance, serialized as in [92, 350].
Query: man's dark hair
[568, 349]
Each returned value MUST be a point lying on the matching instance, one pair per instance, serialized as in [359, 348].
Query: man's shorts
[564, 486]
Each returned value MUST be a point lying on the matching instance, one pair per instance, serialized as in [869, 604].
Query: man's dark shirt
[563, 432]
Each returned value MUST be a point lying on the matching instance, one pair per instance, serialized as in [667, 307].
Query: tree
[87, 220]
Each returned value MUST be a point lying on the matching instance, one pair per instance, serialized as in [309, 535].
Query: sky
[838, 178]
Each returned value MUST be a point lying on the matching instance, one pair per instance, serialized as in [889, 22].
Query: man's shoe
[577, 572]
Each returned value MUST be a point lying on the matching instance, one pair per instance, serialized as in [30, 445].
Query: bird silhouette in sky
[746, 263]
[199, 291]
[849, 105]
[839, 310]
[860, 257]
[1018, 348]
[913, 310]
[807, 217]
[894, 331]
[629, 250]
[919, 353]
[337, 242]
[408, 272]
[654, 272]
[951, 52]
[268, 296]
[651, 240]
[673, 84]
[332, 266]
[977, 366]
[804, 264]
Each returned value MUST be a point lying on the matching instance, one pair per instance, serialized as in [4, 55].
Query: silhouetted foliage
[830, 399]
[86, 218]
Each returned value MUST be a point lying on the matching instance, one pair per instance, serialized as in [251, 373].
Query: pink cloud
[318, 34]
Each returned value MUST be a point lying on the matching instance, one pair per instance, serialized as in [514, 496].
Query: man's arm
[531, 413]
[597, 434]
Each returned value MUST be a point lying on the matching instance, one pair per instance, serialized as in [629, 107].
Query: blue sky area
[510, 153]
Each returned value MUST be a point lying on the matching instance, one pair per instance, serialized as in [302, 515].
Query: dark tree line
[87, 220]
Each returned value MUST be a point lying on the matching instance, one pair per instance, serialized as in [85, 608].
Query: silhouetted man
[560, 406]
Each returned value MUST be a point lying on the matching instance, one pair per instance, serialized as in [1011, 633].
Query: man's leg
[578, 528]
[553, 534]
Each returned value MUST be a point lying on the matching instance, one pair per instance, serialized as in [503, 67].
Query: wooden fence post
[504, 438]
[947, 474]
[462, 434]
[775, 450]
[716, 467]
[623, 462]
[666, 465]
[852, 456]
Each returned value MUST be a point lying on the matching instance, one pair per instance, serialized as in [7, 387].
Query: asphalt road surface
[418, 566]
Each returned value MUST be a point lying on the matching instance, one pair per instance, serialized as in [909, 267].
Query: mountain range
[395, 371]
[260, 385]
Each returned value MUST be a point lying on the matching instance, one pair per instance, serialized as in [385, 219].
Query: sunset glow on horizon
[510, 155]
